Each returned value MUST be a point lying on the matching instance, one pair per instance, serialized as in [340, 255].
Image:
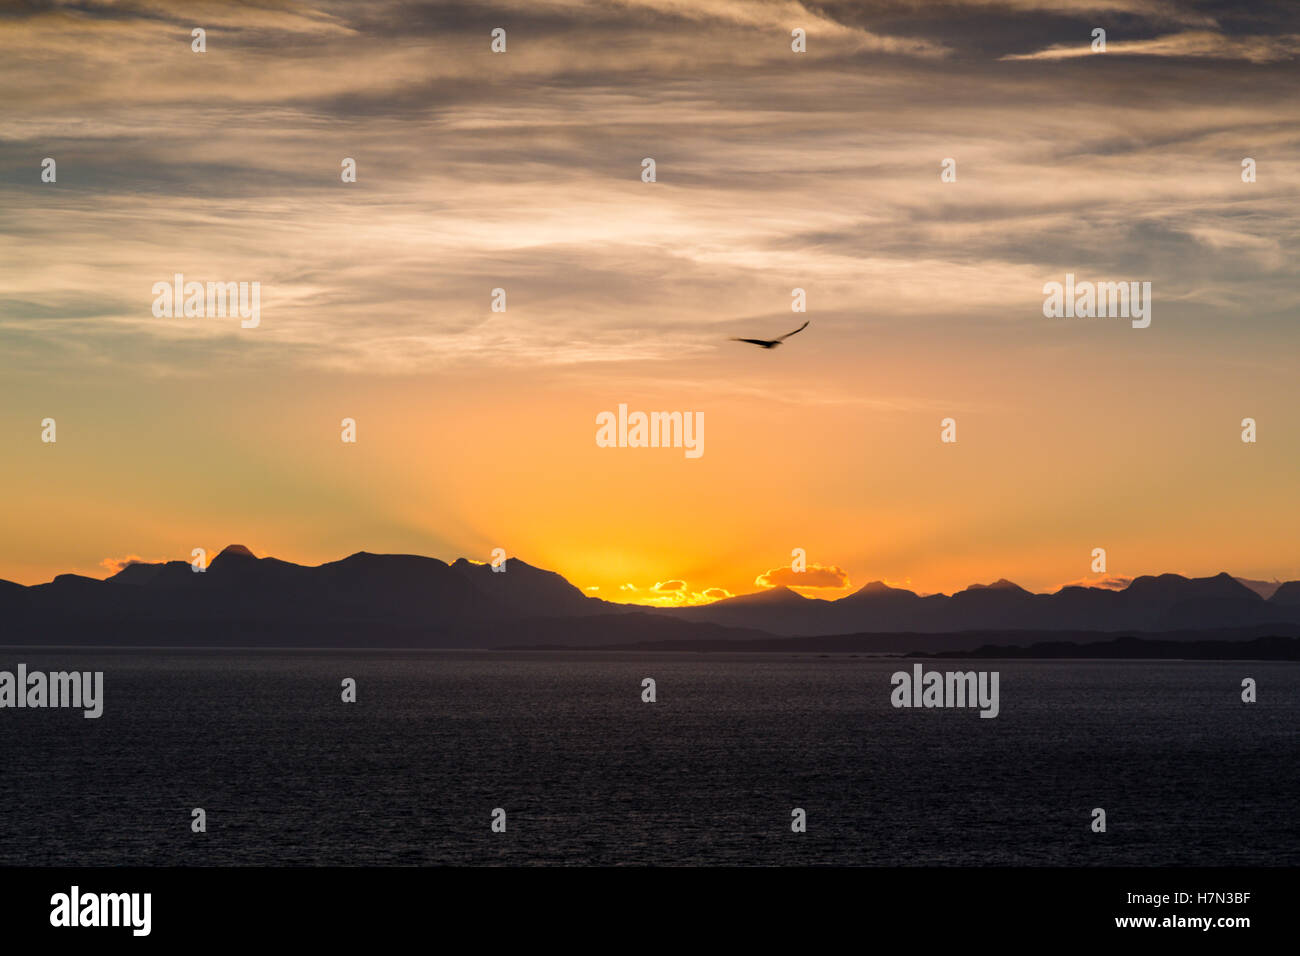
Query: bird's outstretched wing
[752, 341]
[788, 334]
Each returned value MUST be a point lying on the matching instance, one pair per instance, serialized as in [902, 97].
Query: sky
[774, 171]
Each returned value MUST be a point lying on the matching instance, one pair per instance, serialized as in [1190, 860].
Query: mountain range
[391, 600]
[1165, 602]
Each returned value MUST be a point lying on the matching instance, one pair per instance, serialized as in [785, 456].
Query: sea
[562, 752]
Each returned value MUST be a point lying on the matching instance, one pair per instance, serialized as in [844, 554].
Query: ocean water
[589, 774]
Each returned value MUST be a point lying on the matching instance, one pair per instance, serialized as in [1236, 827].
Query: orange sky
[775, 171]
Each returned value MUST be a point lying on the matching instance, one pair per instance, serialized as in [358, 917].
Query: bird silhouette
[771, 343]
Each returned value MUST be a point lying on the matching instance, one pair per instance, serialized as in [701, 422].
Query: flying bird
[771, 343]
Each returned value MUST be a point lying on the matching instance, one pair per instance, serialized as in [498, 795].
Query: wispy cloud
[521, 171]
[1107, 582]
[1192, 43]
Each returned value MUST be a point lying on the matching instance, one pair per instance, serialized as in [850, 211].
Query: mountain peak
[1001, 584]
[236, 551]
[875, 587]
[771, 596]
[1178, 587]
[1288, 593]
[466, 564]
[873, 590]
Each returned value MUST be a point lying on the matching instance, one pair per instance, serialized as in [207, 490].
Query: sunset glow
[476, 428]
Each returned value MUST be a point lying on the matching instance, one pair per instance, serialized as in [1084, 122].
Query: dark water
[587, 773]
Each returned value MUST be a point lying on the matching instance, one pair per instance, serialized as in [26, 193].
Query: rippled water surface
[588, 773]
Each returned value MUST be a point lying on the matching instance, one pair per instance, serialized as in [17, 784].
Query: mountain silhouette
[414, 601]
[404, 599]
[1287, 594]
[1149, 603]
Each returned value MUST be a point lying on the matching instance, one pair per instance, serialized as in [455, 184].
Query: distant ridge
[1269, 639]
[1149, 603]
[1133, 648]
[413, 601]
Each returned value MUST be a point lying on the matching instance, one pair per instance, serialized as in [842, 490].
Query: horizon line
[844, 592]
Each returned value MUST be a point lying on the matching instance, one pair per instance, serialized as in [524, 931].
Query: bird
[771, 343]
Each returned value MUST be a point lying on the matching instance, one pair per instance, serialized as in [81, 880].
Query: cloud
[522, 171]
[1155, 11]
[664, 587]
[1191, 43]
[672, 593]
[777, 17]
[115, 565]
[1108, 582]
[816, 576]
